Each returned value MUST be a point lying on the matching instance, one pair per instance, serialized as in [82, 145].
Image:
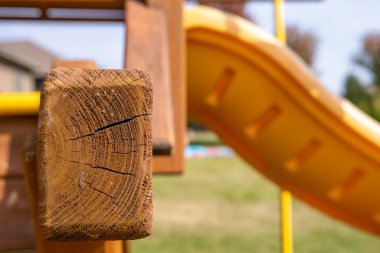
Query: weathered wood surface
[176, 37]
[87, 4]
[16, 230]
[44, 246]
[94, 155]
[16, 226]
[147, 27]
[12, 133]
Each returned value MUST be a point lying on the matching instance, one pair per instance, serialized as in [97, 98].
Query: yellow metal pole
[14, 104]
[280, 20]
[286, 197]
[286, 222]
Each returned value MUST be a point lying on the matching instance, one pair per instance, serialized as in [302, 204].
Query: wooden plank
[74, 64]
[16, 229]
[84, 4]
[147, 27]
[44, 246]
[94, 150]
[173, 10]
[13, 131]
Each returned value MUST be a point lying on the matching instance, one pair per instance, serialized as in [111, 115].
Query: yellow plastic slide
[265, 103]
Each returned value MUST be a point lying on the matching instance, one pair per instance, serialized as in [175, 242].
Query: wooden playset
[91, 140]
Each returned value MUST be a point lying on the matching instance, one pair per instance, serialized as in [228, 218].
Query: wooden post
[94, 155]
[171, 51]
[146, 27]
[173, 10]
[44, 246]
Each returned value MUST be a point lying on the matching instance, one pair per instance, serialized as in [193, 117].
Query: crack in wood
[99, 167]
[102, 192]
[109, 126]
[120, 122]
[82, 180]
[88, 182]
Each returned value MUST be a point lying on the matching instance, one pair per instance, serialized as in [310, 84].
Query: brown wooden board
[44, 246]
[152, 18]
[94, 155]
[83, 4]
[71, 10]
[147, 27]
[13, 131]
[16, 227]
[176, 34]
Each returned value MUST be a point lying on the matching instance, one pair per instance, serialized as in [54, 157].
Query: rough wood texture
[84, 4]
[16, 230]
[74, 64]
[94, 155]
[146, 27]
[44, 246]
[16, 227]
[12, 134]
[173, 10]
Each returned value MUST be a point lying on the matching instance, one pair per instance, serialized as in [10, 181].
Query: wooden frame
[171, 13]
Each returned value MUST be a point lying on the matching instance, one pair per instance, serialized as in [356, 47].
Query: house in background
[23, 65]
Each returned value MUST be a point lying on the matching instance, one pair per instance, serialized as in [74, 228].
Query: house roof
[29, 55]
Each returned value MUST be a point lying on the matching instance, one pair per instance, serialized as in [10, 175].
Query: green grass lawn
[204, 138]
[221, 205]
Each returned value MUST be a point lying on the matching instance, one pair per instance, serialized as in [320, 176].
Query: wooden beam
[147, 27]
[83, 4]
[94, 155]
[173, 12]
[12, 134]
[44, 246]
[16, 230]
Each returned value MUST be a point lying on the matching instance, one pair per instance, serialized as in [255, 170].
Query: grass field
[221, 205]
[204, 138]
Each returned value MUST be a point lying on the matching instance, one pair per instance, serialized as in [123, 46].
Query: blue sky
[339, 25]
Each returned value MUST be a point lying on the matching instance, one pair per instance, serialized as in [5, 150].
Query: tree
[236, 7]
[303, 43]
[366, 95]
[358, 95]
[369, 58]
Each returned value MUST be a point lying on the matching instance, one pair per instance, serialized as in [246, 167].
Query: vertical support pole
[147, 26]
[173, 10]
[173, 52]
[285, 196]
[29, 159]
[279, 13]
[286, 222]
[44, 246]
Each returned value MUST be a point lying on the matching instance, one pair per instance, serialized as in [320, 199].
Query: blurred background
[339, 39]
[220, 204]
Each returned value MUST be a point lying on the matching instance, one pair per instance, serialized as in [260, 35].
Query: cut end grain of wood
[94, 155]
